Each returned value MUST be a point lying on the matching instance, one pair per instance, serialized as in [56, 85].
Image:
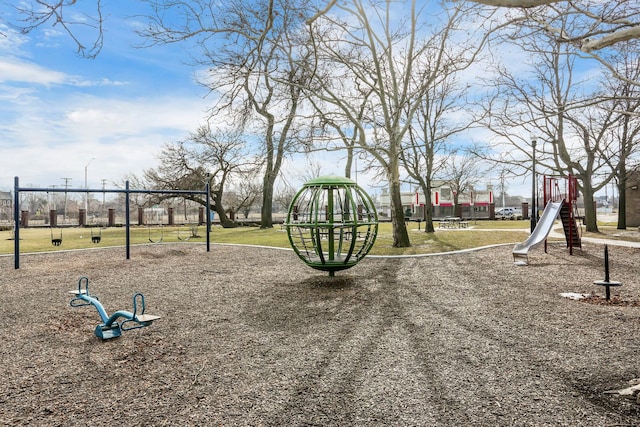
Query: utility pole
[86, 187]
[502, 186]
[66, 185]
[104, 182]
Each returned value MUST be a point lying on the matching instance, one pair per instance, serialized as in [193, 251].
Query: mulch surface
[252, 336]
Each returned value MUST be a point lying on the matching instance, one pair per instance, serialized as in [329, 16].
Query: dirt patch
[614, 300]
[251, 336]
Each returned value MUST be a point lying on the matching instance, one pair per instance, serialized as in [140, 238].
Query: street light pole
[86, 187]
[502, 186]
[533, 185]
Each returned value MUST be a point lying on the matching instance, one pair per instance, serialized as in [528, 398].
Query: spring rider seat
[331, 223]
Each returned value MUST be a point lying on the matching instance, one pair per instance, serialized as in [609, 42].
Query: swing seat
[193, 233]
[56, 241]
[96, 236]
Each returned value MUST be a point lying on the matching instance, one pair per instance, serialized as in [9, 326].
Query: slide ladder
[570, 226]
[110, 327]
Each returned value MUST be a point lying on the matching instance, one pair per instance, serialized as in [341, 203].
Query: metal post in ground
[606, 282]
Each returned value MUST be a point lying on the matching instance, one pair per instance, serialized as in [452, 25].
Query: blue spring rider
[110, 328]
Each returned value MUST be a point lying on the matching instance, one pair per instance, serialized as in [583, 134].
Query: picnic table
[453, 222]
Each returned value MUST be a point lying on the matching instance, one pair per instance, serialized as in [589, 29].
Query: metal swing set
[96, 237]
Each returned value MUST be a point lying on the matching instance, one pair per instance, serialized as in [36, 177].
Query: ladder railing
[553, 192]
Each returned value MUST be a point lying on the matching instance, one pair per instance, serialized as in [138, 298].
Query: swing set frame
[127, 192]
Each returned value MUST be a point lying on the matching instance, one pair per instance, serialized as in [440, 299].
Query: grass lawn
[478, 234]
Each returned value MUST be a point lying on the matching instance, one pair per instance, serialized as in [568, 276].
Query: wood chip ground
[253, 337]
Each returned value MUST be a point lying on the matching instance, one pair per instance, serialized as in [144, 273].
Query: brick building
[632, 206]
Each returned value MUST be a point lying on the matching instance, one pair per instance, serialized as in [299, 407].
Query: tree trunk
[266, 213]
[428, 212]
[400, 234]
[622, 204]
[589, 207]
[456, 208]
[225, 222]
[349, 163]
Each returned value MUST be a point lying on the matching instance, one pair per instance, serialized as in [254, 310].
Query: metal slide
[540, 233]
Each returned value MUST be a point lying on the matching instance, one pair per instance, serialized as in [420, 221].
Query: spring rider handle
[136, 297]
[79, 301]
[138, 318]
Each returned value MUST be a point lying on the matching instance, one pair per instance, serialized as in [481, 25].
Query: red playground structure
[569, 211]
[558, 202]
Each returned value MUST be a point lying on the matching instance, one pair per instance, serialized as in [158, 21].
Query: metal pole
[208, 213]
[533, 186]
[606, 263]
[103, 201]
[127, 218]
[64, 210]
[16, 221]
[502, 186]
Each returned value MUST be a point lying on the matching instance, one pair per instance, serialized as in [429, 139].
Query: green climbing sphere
[331, 223]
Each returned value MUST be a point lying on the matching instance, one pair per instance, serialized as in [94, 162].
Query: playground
[252, 336]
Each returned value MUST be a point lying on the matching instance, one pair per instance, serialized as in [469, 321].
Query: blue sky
[60, 112]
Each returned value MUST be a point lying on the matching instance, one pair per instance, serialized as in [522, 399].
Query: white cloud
[15, 70]
[47, 141]
[11, 41]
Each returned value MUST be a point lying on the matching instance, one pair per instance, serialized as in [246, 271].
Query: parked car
[509, 213]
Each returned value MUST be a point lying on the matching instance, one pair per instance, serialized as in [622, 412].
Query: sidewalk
[559, 233]
[613, 242]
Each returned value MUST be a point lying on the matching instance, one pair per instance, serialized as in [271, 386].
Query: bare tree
[598, 26]
[430, 144]
[70, 15]
[284, 196]
[555, 106]
[623, 98]
[461, 173]
[205, 156]
[604, 23]
[365, 47]
[251, 50]
[248, 192]
[34, 201]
